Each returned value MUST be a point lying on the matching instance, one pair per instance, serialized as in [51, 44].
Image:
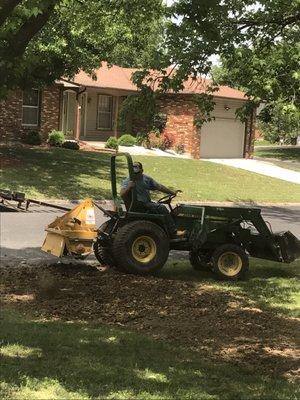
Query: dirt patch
[217, 324]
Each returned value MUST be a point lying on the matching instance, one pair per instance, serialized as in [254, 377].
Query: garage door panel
[222, 138]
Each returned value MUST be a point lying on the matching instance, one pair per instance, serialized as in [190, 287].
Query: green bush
[179, 148]
[56, 138]
[71, 144]
[141, 138]
[112, 143]
[32, 137]
[127, 140]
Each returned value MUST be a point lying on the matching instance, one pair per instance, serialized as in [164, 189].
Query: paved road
[22, 234]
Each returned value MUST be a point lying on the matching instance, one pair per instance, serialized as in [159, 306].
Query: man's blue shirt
[143, 187]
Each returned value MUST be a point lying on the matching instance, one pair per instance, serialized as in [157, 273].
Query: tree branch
[29, 29]
[6, 7]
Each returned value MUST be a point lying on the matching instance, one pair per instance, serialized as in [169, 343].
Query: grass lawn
[58, 347]
[285, 157]
[65, 174]
[264, 143]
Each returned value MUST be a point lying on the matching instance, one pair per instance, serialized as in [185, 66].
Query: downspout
[78, 115]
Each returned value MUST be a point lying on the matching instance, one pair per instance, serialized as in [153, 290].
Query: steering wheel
[168, 198]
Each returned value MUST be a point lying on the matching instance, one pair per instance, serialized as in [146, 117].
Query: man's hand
[130, 185]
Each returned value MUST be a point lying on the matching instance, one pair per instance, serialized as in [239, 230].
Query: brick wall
[181, 111]
[11, 114]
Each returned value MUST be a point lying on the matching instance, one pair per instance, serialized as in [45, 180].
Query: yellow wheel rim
[144, 249]
[230, 264]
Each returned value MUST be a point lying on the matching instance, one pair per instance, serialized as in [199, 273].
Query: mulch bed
[216, 324]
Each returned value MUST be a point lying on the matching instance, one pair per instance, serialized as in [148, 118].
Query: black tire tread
[119, 247]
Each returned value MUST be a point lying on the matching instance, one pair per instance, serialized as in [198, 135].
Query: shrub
[71, 144]
[112, 143]
[159, 121]
[127, 140]
[179, 148]
[141, 138]
[167, 140]
[153, 139]
[32, 137]
[56, 138]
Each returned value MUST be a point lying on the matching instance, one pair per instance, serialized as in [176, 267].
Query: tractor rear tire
[141, 247]
[230, 262]
[200, 260]
[103, 254]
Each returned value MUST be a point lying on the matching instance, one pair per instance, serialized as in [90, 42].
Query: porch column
[77, 120]
[116, 116]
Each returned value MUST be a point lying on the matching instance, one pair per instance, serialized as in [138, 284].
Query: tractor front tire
[141, 247]
[200, 260]
[230, 262]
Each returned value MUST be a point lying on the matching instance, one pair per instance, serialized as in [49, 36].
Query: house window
[31, 108]
[104, 116]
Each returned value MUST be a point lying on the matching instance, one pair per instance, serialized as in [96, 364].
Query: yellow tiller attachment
[73, 233]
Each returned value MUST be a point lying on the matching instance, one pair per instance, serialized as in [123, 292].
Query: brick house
[87, 109]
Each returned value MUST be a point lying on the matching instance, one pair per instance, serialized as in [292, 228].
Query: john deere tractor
[220, 239]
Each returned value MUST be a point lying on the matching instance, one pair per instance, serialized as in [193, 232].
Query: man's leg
[156, 208]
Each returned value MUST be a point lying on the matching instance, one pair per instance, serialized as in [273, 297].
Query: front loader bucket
[73, 233]
[289, 246]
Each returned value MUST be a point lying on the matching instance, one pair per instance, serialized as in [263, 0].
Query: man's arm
[126, 188]
[166, 190]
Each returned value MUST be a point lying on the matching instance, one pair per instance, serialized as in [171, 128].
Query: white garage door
[222, 138]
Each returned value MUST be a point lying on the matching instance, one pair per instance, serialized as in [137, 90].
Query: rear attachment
[72, 234]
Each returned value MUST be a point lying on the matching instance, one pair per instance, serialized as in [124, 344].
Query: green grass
[264, 143]
[270, 285]
[65, 174]
[58, 360]
[285, 157]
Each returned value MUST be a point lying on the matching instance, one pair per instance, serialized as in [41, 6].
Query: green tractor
[219, 239]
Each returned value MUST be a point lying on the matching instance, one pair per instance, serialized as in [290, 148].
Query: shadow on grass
[81, 360]
[281, 153]
[272, 286]
[58, 173]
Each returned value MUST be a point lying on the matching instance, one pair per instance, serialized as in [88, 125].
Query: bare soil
[214, 323]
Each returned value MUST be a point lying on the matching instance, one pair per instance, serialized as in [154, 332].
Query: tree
[42, 40]
[258, 42]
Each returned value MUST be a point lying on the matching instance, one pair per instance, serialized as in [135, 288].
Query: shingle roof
[116, 77]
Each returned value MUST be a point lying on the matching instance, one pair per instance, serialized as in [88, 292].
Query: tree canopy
[42, 40]
[258, 42]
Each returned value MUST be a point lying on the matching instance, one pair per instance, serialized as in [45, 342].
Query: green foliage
[44, 40]
[139, 107]
[112, 143]
[205, 105]
[127, 140]
[159, 121]
[71, 144]
[32, 137]
[56, 138]
[279, 121]
[179, 148]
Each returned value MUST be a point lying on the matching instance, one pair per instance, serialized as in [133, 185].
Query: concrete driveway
[260, 167]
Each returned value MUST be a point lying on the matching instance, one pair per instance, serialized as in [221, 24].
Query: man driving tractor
[144, 184]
